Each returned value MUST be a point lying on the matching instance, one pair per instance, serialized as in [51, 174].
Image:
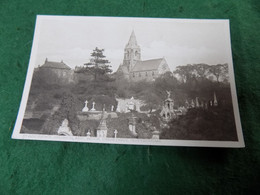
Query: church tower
[132, 52]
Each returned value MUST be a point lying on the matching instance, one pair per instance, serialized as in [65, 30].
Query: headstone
[64, 128]
[156, 134]
[88, 134]
[85, 109]
[115, 132]
[93, 107]
[112, 108]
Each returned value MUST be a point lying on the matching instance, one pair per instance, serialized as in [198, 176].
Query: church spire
[132, 53]
[132, 43]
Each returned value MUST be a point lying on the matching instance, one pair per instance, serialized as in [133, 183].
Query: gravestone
[156, 134]
[64, 129]
[93, 107]
[85, 109]
[115, 132]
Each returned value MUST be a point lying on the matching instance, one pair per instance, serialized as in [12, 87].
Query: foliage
[216, 123]
[98, 65]
[188, 73]
[187, 83]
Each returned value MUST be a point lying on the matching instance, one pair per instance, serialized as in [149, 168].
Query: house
[57, 71]
[135, 69]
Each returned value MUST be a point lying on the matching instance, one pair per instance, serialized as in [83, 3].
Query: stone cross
[85, 109]
[93, 106]
[115, 132]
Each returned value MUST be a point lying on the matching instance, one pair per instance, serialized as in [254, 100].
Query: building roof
[56, 65]
[123, 69]
[147, 65]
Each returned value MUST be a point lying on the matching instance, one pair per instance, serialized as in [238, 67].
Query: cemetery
[94, 102]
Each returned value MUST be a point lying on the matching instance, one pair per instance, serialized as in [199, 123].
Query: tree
[97, 65]
[201, 70]
[219, 70]
[185, 72]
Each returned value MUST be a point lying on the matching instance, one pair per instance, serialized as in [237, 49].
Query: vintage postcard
[144, 81]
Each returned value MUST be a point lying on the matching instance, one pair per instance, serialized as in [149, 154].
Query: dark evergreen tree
[98, 64]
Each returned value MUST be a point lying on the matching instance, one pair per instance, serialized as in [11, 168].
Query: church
[135, 69]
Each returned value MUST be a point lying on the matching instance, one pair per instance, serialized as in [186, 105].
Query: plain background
[40, 167]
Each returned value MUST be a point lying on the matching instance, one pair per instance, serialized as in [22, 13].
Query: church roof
[147, 65]
[56, 65]
[122, 69]
[132, 43]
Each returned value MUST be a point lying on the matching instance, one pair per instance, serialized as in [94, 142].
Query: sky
[179, 41]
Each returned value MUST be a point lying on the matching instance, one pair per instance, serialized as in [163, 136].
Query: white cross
[115, 132]
[93, 106]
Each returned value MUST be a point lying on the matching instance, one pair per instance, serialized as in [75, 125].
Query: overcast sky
[181, 42]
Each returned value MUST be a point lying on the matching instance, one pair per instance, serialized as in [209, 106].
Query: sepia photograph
[141, 81]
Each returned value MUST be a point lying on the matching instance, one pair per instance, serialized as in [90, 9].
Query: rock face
[64, 129]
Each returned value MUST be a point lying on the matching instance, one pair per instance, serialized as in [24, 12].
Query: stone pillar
[131, 124]
[102, 127]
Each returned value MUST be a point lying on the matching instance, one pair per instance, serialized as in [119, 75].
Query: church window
[139, 74]
[153, 73]
[146, 74]
[133, 74]
[136, 53]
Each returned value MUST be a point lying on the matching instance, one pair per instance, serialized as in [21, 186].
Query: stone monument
[93, 107]
[168, 112]
[156, 134]
[115, 132]
[85, 109]
[131, 105]
[102, 127]
[131, 124]
[64, 129]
